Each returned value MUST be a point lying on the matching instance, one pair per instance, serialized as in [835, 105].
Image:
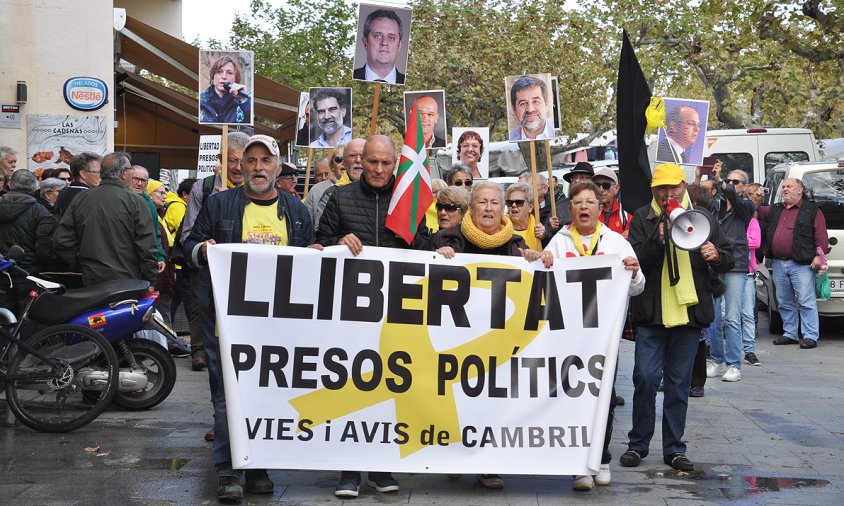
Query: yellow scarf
[483, 240]
[678, 298]
[578, 242]
[528, 234]
[344, 179]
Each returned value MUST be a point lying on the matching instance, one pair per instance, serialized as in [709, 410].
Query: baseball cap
[287, 169]
[667, 174]
[580, 168]
[266, 140]
[607, 173]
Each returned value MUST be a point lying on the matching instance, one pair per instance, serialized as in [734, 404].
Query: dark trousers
[200, 294]
[182, 294]
[699, 369]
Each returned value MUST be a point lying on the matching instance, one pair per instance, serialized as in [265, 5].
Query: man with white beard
[330, 105]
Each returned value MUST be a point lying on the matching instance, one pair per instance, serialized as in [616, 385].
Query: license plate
[836, 284]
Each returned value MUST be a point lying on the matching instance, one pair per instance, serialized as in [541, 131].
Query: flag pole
[551, 179]
[224, 157]
[308, 172]
[375, 101]
[534, 180]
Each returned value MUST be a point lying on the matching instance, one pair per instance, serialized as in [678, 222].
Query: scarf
[483, 240]
[344, 179]
[529, 236]
[578, 242]
[678, 298]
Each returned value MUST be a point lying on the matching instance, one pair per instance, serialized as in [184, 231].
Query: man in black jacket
[668, 317]
[85, 169]
[355, 216]
[20, 219]
[240, 215]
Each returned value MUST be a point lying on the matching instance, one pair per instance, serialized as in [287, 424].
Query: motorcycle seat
[54, 308]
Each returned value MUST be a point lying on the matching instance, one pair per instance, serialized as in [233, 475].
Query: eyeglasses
[690, 123]
[234, 161]
[140, 180]
[515, 202]
[735, 182]
[91, 171]
[449, 208]
[605, 185]
[338, 159]
[461, 183]
[352, 156]
[588, 202]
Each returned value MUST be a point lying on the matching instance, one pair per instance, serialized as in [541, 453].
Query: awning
[148, 48]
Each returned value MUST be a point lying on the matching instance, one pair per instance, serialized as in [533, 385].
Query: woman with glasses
[459, 175]
[587, 236]
[519, 202]
[470, 148]
[451, 206]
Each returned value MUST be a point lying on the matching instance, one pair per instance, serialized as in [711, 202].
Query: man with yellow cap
[669, 315]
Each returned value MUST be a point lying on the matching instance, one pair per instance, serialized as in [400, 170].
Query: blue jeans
[796, 292]
[670, 354]
[721, 350]
[748, 315]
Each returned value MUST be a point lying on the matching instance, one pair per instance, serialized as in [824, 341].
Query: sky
[212, 18]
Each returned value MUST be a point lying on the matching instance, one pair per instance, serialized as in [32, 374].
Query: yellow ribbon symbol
[655, 114]
[420, 405]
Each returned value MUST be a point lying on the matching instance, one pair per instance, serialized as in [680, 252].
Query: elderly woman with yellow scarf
[519, 201]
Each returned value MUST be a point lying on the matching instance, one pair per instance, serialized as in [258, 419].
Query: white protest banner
[404, 361]
[209, 152]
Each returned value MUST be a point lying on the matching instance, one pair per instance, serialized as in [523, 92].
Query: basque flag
[412, 194]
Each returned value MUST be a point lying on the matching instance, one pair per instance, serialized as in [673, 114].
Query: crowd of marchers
[104, 219]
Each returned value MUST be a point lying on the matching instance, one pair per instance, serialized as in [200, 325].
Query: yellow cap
[667, 174]
[153, 185]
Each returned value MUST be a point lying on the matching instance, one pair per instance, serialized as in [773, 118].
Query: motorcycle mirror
[15, 253]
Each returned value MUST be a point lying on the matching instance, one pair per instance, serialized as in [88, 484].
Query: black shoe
[808, 344]
[785, 340]
[696, 391]
[258, 482]
[383, 482]
[229, 489]
[619, 400]
[632, 458]
[679, 462]
[751, 358]
[348, 485]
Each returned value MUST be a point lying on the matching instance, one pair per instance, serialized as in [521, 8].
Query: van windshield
[775, 158]
[826, 188]
[735, 161]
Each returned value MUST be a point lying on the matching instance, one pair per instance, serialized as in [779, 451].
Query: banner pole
[551, 179]
[375, 101]
[308, 172]
[534, 180]
[224, 157]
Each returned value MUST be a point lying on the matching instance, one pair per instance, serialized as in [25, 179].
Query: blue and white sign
[85, 93]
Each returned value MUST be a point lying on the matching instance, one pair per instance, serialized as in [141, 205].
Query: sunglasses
[461, 183]
[516, 202]
[449, 208]
[605, 185]
[735, 182]
[338, 159]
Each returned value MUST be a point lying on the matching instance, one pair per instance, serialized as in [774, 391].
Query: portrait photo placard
[381, 48]
[530, 109]
[431, 105]
[225, 87]
[303, 121]
[330, 117]
[555, 96]
[470, 146]
[681, 141]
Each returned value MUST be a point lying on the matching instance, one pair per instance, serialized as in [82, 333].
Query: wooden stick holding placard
[224, 157]
[308, 171]
[550, 179]
[534, 180]
[375, 101]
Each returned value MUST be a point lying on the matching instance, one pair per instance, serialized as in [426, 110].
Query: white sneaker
[583, 483]
[714, 369]
[733, 373]
[603, 476]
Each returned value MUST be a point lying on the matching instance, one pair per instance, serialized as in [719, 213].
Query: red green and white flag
[412, 195]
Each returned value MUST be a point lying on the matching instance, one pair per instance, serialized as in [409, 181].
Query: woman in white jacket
[584, 237]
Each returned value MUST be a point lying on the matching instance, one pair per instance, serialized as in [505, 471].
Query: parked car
[758, 150]
[824, 185]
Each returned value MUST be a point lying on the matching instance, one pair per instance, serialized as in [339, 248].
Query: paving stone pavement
[775, 437]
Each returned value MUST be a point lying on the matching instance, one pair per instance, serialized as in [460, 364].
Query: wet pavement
[775, 437]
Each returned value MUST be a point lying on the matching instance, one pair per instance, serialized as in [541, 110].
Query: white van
[758, 150]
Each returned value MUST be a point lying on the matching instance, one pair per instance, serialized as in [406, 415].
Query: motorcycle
[117, 309]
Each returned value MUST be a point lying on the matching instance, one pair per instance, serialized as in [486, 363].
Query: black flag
[632, 100]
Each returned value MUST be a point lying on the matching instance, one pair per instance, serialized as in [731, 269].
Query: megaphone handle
[673, 265]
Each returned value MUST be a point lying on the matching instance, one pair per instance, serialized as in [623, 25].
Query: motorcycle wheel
[161, 375]
[54, 401]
